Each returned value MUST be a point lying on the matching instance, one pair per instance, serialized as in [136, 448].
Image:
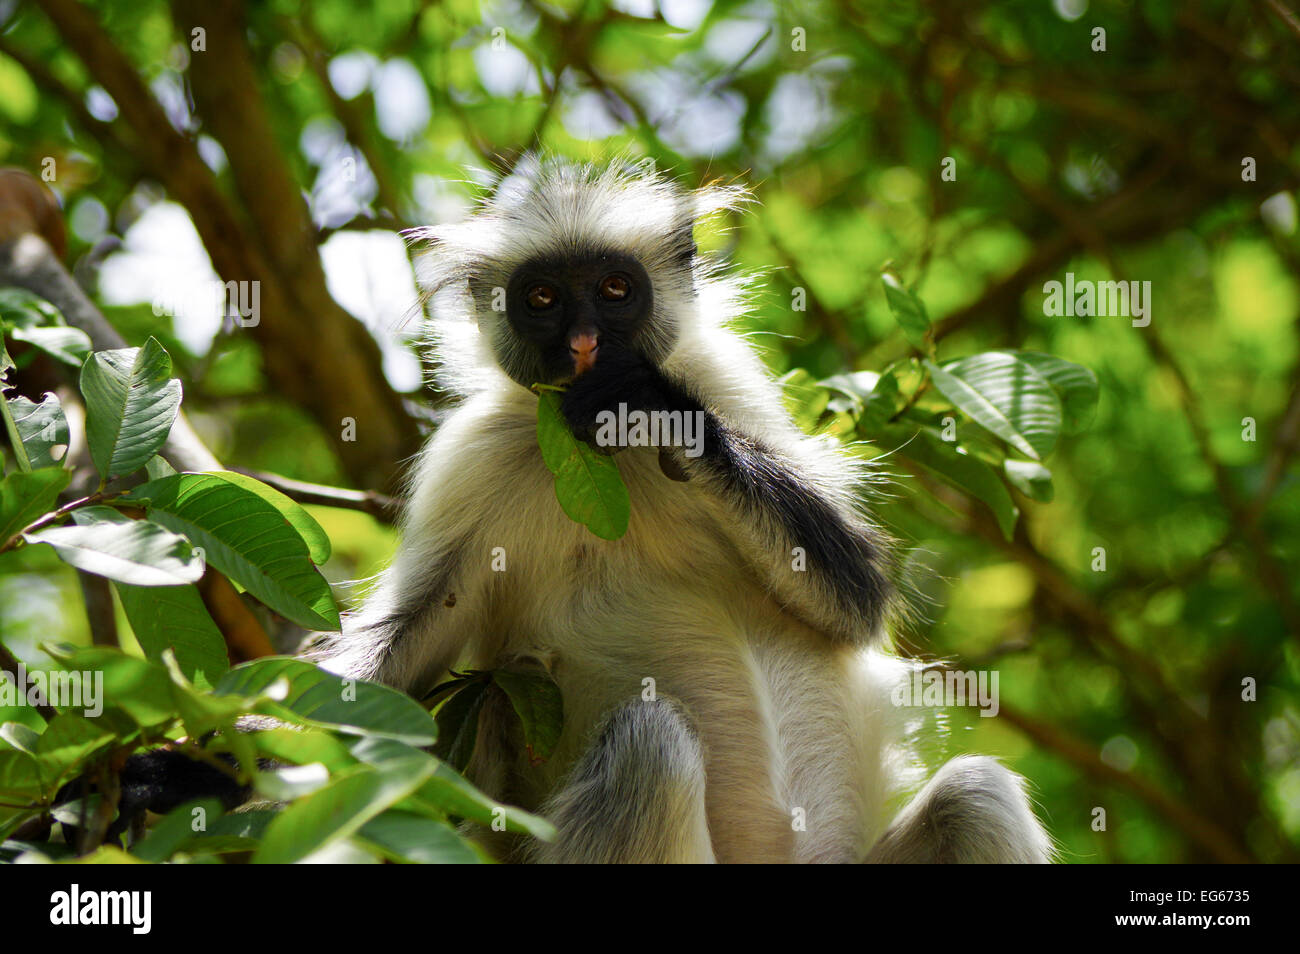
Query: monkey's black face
[569, 314]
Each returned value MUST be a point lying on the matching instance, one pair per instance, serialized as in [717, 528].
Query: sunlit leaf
[68, 345]
[248, 539]
[1031, 478]
[1004, 395]
[322, 698]
[405, 836]
[907, 310]
[339, 809]
[108, 544]
[26, 497]
[42, 427]
[587, 484]
[1075, 385]
[175, 618]
[131, 402]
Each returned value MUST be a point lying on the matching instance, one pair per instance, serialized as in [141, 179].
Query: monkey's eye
[540, 297]
[614, 288]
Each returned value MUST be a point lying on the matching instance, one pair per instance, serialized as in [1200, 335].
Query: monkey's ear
[684, 245]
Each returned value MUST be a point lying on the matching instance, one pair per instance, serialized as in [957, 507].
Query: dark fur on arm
[158, 781]
[845, 554]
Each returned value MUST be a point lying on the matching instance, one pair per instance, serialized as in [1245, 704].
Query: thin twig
[378, 505]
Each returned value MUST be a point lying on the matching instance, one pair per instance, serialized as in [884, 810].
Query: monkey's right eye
[540, 297]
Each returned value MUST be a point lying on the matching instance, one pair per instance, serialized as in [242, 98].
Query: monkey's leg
[636, 796]
[974, 811]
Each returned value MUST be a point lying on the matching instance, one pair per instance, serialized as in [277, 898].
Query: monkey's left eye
[614, 288]
[541, 296]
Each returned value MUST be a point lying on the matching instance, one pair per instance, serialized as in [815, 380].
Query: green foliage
[103, 541]
[356, 741]
[1017, 403]
[374, 786]
[40, 428]
[587, 482]
[131, 402]
[534, 697]
[246, 535]
[969, 160]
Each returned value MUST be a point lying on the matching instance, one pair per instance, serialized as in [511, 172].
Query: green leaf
[67, 744]
[405, 836]
[318, 542]
[447, 792]
[854, 389]
[285, 783]
[26, 497]
[20, 308]
[1075, 385]
[157, 468]
[106, 543]
[131, 402]
[587, 484]
[246, 538]
[238, 831]
[1005, 396]
[303, 747]
[961, 470]
[176, 829]
[908, 311]
[41, 427]
[805, 398]
[340, 809]
[175, 618]
[537, 702]
[139, 688]
[21, 737]
[68, 345]
[458, 723]
[107, 855]
[1031, 478]
[883, 402]
[322, 698]
[20, 779]
[11, 429]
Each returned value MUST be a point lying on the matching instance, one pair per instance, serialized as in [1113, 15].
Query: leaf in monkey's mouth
[588, 484]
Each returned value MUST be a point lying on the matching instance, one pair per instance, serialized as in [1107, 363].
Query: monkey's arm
[435, 600]
[805, 536]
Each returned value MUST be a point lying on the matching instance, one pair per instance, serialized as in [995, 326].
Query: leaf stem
[20, 452]
[51, 517]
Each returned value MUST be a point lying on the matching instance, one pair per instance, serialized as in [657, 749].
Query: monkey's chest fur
[673, 610]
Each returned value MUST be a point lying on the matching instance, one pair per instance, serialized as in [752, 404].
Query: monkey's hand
[618, 378]
[158, 781]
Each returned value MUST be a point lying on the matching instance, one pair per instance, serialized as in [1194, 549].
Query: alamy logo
[239, 302]
[1086, 299]
[75, 906]
[651, 429]
[938, 688]
[62, 689]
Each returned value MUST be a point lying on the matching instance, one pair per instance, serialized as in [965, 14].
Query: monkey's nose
[583, 347]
